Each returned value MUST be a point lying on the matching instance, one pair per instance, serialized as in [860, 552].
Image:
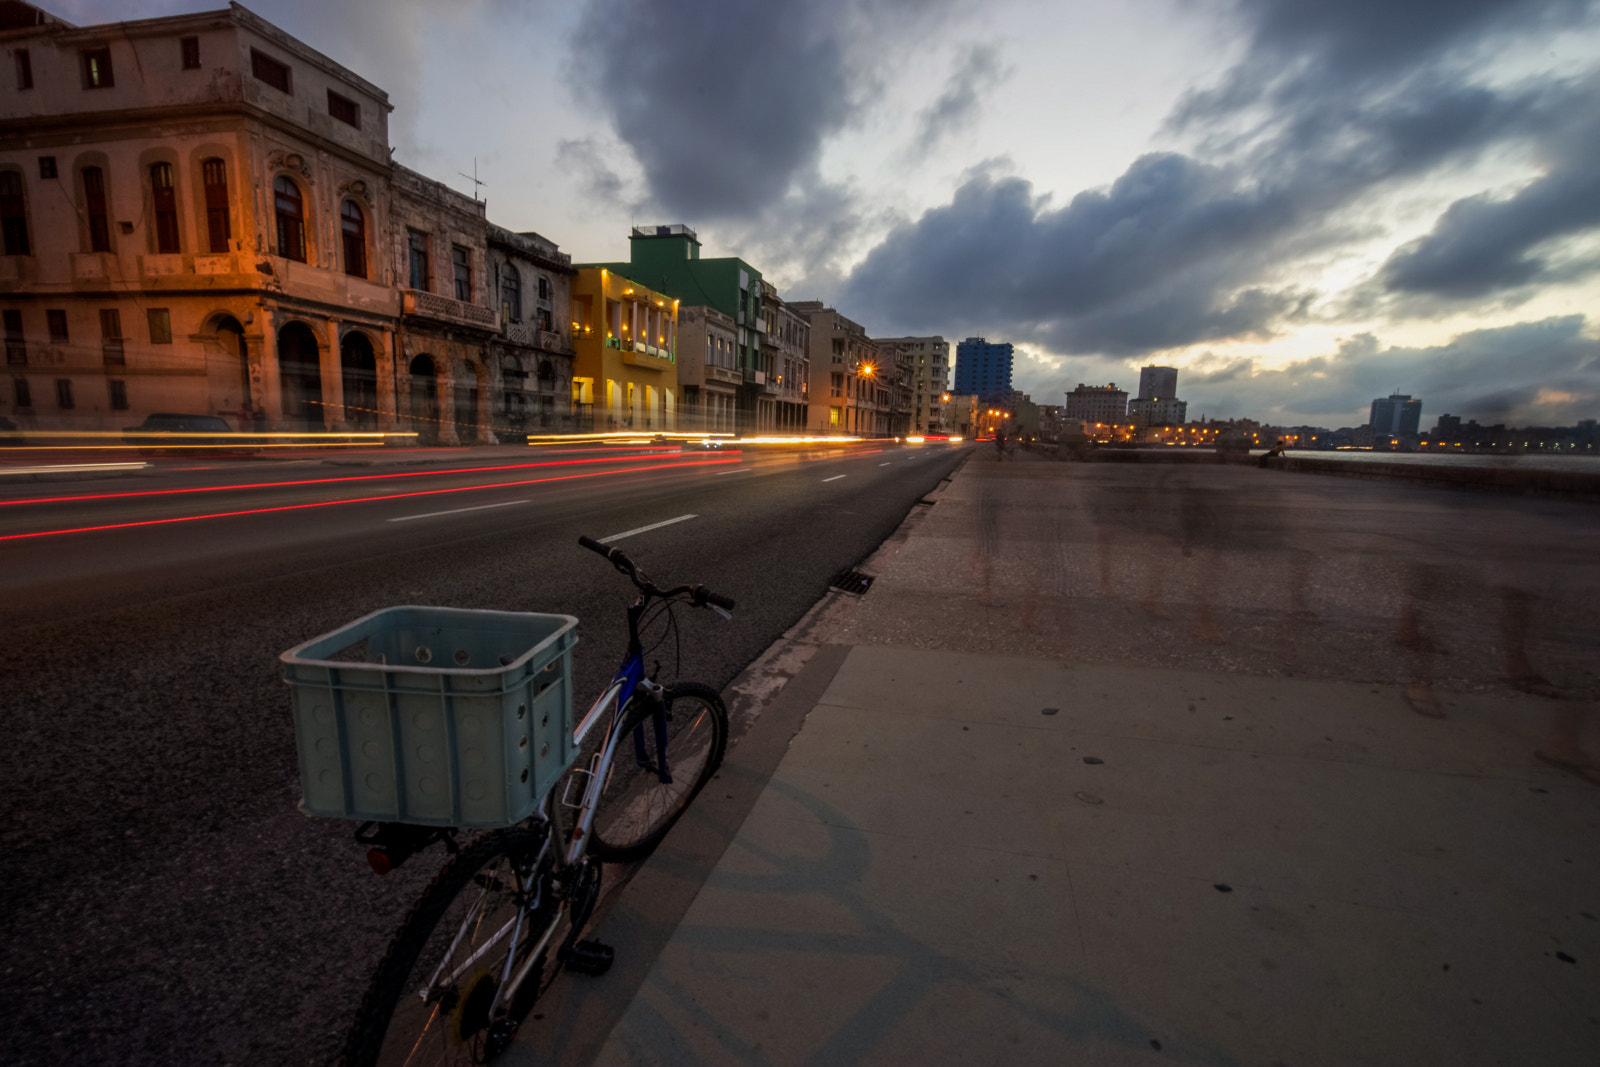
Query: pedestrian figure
[245, 419]
[1000, 442]
[1276, 451]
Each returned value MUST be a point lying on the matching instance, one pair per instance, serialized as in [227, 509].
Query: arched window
[353, 224]
[511, 293]
[94, 197]
[164, 199]
[13, 214]
[290, 209]
[214, 173]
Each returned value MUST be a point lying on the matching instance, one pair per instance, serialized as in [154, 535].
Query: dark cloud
[1323, 52]
[726, 103]
[957, 107]
[1483, 244]
[1153, 262]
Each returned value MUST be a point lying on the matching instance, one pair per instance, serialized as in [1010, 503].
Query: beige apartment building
[846, 389]
[200, 214]
[708, 369]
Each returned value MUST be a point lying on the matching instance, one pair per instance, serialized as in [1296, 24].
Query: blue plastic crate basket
[434, 716]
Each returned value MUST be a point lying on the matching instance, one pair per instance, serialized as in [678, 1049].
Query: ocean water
[1531, 461]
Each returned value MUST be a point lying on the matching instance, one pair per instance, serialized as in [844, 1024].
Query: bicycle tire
[636, 809]
[453, 1027]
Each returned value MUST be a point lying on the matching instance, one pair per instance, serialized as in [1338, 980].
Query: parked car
[211, 431]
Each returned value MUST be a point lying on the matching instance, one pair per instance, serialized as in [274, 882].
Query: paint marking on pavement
[458, 511]
[836, 477]
[883, 464]
[69, 468]
[736, 470]
[644, 529]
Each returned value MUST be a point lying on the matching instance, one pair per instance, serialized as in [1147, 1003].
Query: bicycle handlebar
[699, 595]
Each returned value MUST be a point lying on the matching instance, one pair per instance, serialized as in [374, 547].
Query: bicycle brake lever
[719, 611]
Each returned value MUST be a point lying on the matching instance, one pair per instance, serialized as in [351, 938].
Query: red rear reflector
[378, 860]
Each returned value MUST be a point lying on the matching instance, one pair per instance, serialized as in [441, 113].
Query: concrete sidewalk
[1044, 797]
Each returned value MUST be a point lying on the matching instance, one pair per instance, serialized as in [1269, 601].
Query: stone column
[269, 386]
[332, 368]
[445, 384]
[388, 393]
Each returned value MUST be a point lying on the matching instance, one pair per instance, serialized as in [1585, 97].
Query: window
[160, 326]
[111, 336]
[269, 70]
[24, 394]
[545, 320]
[24, 69]
[13, 214]
[166, 208]
[189, 47]
[353, 225]
[511, 294]
[462, 260]
[56, 320]
[215, 176]
[119, 394]
[544, 287]
[64, 394]
[97, 69]
[346, 111]
[291, 219]
[16, 344]
[420, 276]
[94, 196]
[47, 166]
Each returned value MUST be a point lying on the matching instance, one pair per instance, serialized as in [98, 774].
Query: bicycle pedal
[590, 957]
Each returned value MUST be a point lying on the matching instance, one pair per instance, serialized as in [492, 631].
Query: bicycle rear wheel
[639, 803]
[429, 1002]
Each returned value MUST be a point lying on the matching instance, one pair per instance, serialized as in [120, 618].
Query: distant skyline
[1301, 206]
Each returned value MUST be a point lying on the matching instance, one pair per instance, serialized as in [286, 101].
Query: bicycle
[469, 959]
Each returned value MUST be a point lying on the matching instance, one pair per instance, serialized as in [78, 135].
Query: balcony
[723, 374]
[425, 305]
[637, 354]
[520, 333]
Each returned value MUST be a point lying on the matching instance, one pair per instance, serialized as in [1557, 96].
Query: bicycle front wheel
[430, 1000]
[669, 750]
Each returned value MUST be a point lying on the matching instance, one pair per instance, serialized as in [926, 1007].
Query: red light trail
[367, 499]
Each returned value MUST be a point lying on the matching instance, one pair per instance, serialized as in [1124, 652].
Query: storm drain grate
[852, 582]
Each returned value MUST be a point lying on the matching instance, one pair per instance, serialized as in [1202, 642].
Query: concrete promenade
[1130, 764]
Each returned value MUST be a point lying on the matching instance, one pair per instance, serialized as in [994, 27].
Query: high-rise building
[982, 368]
[1158, 383]
[1396, 415]
[1097, 403]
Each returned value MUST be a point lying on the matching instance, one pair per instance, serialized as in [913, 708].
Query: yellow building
[625, 373]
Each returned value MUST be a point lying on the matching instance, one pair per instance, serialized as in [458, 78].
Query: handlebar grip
[706, 596]
[595, 546]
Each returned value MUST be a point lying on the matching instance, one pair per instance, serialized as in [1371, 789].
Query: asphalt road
[166, 903]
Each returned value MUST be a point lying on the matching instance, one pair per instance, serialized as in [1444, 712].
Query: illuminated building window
[97, 69]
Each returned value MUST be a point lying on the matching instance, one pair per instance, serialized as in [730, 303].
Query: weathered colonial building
[200, 213]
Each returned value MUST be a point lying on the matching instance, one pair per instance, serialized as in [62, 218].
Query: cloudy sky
[1302, 204]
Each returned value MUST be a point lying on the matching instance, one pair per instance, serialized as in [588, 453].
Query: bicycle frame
[629, 679]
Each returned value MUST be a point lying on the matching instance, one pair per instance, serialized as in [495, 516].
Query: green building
[667, 259]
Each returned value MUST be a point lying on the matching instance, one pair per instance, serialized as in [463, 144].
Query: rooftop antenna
[473, 177]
